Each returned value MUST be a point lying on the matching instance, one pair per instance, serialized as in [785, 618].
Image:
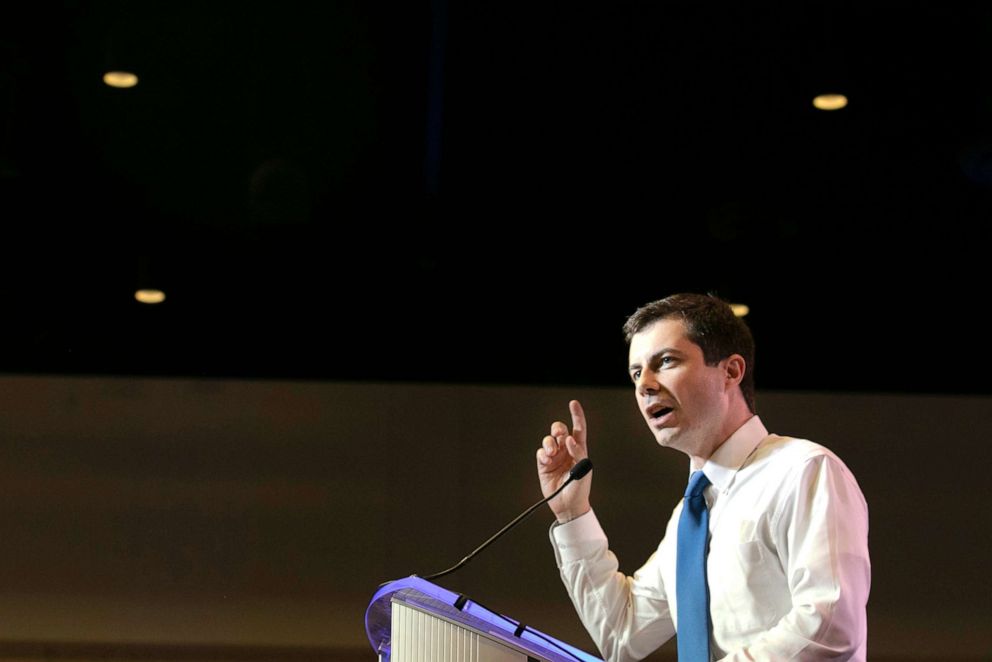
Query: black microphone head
[581, 468]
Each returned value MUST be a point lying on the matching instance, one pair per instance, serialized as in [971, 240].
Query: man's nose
[646, 383]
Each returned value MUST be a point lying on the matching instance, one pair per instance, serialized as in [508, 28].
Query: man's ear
[734, 368]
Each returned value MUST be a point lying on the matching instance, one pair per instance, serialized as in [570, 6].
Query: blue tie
[691, 591]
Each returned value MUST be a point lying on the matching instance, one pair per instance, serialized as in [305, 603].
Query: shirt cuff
[571, 539]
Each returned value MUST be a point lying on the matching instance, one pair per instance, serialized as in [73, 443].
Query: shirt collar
[731, 455]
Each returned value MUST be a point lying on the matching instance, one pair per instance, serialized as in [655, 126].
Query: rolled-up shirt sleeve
[627, 617]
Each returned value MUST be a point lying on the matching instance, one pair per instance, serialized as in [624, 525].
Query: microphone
[581, 468]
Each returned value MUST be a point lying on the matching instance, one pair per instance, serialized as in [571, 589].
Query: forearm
[831, 630]
[627, 617]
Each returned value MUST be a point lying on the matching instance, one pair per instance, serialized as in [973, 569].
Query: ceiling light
[120, 79]
[830, 101]
[150, 296]
[740, 309]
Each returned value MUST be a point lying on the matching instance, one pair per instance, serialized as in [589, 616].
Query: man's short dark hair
[710, 323]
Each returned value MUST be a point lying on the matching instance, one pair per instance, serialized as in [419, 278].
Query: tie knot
[697, 483]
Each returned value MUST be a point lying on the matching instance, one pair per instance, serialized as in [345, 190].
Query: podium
[413, 620]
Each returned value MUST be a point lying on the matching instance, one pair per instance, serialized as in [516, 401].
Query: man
[767, 554]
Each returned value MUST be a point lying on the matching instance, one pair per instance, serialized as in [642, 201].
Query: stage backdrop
[173, 515]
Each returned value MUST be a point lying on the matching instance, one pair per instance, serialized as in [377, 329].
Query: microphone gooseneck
[581, 468]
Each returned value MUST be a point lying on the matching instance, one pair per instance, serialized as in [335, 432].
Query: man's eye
[667, 360]
[635, 375]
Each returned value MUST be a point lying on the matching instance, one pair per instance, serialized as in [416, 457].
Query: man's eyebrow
[654, 357]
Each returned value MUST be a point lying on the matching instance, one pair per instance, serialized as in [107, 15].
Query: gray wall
[265, 513]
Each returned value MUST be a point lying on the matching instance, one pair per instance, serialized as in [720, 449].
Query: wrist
[568, 515]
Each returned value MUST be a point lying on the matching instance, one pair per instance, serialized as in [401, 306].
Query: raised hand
[559, 452]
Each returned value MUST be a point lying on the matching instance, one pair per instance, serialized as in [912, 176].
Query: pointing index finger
[578, 422]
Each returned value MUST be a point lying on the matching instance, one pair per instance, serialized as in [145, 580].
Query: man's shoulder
[787, 454]
[787, 469]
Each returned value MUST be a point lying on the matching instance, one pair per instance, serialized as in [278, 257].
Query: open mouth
[658, 412]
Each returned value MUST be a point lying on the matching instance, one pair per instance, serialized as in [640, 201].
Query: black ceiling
[483, 191]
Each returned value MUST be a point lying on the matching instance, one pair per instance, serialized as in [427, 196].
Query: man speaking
[766, 555]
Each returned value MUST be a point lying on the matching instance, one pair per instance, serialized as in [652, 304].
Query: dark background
[482, 192]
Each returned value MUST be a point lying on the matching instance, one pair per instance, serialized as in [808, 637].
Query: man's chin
[666, 437]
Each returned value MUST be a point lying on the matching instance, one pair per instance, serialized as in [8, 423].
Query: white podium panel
[422, 637]
[413, 620]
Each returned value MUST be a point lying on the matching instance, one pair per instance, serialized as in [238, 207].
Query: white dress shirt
[788, 566]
